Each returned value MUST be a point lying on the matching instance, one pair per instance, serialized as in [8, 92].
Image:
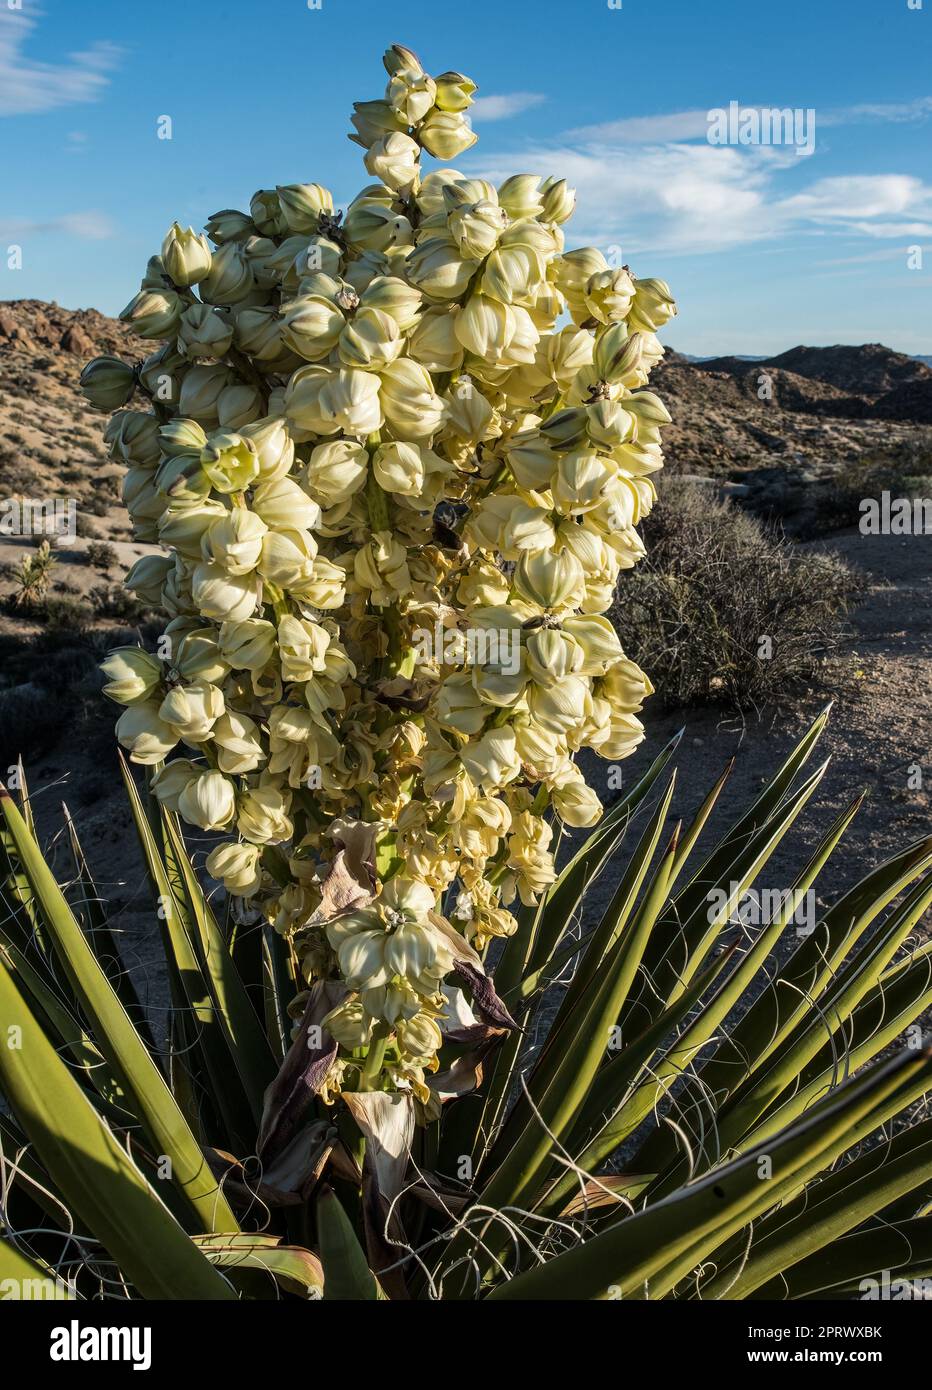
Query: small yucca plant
[742, 1095]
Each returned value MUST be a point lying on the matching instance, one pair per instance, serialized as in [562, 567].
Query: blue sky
[763, 247]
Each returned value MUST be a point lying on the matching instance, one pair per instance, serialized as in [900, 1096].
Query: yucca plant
[690, 1120]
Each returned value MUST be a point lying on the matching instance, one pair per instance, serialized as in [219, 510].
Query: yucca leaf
[901, 1251]
[670, 1237]
[141, 1081]
[93, 1173]
[346, 1270]
[571, 1018]
[811, 969]
[521, 1171]
[191, 993]
[94, 919]
[296, 1269]
[757, 1095]
[33, 1278]
[245, 1039]
[828, 1209]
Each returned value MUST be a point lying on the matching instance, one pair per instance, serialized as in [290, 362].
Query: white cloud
[28, 86]
[88, 226]
[500, 108]
[694, 125]
[681, 198]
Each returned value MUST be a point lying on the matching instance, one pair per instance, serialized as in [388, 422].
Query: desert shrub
[63, 613]
[714, 586]
[113, 601]
[31, 720]
[100, 555]
[84, 527]
[807, 509]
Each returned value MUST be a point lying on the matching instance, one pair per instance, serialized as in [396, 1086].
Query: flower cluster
[425, 417]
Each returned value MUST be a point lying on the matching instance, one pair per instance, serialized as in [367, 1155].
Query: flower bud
[192, 710]
[197, 656]
[476, 227]
[247, 645]
[208, 801]
[235, 541]
[520, 196]
[445, 134]
[221, 596]
[147, 737]
[140, 497]
[312, 326]
[181, 436]
[186, 256]
[273, 446]
[236, 737]
[608, 294]
[107, 383]
[399, 468]
[230, 461]
[287, 558]
[609, 424]
[170, 781]
[132, 674]
[454, 91]
[200, 392]
[336, 471]
[394, 158]
[229, 225]
[237, 867]
[549, 579]
[558, 200]
[237, 405]
[134, 437]
[376, 227]
[231, 279]
[324, 402]
[258, 332]
[412, 408]
[393, 296]
[147, 576]
[492, 761]
[266, 210]
[154, 313]
[653, 305]
[204, 332]
[411, 94]
[182, 479]
[574, 801]
[436, 267]
[284, 503]
[302, 205]
[374, 120]
[532, 460]
[370, 341]
[434, 343]
[262, 816]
